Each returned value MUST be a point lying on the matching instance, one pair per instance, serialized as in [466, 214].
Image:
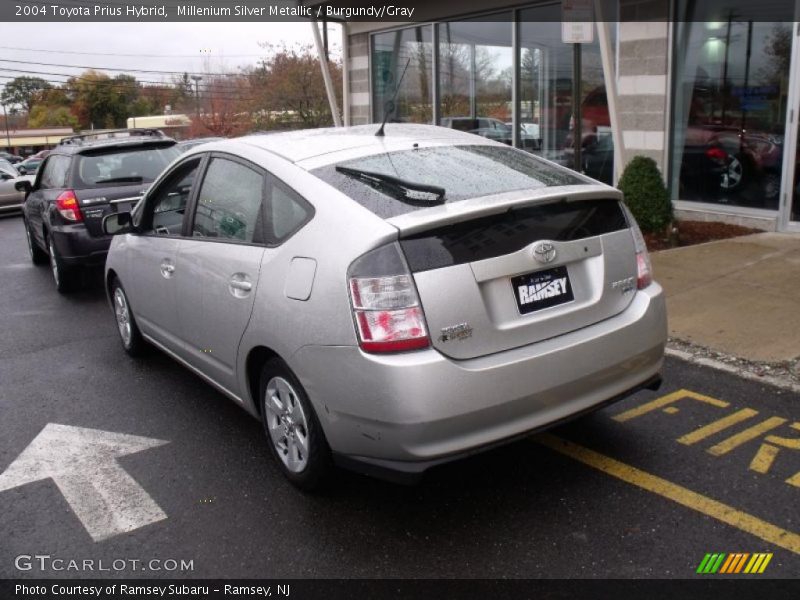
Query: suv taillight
[68, 207]
[385, 303]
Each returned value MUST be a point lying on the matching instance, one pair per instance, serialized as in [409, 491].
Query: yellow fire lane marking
[665, 401]
[707, 506]
[748, 434]
[717, 426]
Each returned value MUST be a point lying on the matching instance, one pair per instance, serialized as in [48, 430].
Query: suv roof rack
[109, 134]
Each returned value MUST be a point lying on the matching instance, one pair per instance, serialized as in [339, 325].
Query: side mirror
[23, 186]
[117, 223]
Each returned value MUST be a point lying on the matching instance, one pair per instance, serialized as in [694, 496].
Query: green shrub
[646, 195]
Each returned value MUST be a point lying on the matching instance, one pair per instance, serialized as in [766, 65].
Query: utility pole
[8, 137]
[196, 79]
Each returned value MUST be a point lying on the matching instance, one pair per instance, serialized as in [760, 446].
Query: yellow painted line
[762, 461]
[685, 497]
[717, 426]
[671, 410]
[666, 400]
[745, 436]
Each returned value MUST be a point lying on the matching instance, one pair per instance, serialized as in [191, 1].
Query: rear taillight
[385, 303]
[717, 154]
[68, 207]
[644, 270]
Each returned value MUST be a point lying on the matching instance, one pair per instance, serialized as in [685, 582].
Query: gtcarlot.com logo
[47, 562]
[741, 562]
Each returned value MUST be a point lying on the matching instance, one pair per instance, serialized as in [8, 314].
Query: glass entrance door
[790, 191]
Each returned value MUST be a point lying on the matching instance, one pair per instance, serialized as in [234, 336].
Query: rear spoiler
[447, 214]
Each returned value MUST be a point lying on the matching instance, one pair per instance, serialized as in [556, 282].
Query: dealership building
[709, 89]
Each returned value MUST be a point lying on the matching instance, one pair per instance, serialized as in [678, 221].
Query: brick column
[642, 88]
[358, 47]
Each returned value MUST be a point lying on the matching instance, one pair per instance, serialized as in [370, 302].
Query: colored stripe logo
[737, 562]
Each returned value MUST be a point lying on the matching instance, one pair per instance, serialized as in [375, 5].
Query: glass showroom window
[547, 90]
[391, 52]
[475, 77]
[730, 93]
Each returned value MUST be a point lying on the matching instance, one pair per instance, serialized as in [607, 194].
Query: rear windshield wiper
[120, 180]
[411, 192]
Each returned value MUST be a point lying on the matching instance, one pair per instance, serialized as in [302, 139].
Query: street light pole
[196, 79]
[8, 137]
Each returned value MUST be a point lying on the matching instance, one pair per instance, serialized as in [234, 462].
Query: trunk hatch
[96, 203]
[493, 282]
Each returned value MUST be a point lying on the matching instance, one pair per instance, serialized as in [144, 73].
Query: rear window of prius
[462, 172]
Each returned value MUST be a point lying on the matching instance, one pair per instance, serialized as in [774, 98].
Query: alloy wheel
[287, 424]
[122, 313]
[53, 262]
[28, 239]
[732, 176]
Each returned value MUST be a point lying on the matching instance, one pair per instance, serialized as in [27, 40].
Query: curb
[743, 373]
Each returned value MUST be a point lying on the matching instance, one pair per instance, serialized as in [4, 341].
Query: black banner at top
[393, 12]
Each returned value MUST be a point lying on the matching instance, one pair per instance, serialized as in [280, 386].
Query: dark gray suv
[85, 178]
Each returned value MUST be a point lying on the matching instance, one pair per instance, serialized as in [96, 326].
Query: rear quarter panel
[339, 232]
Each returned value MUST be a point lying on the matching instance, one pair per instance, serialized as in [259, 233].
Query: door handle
[239, 286]
[245, 286]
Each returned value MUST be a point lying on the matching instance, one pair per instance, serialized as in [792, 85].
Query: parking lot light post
[8, 137]
[196, 79]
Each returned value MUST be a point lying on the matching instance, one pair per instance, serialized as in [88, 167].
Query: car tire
[38, 256]
[735, 175]
[129, 335]
[294, 435]
[66, 278]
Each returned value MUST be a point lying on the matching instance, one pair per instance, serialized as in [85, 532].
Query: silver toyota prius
[388, 303]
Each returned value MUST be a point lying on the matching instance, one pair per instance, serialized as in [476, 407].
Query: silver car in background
[388, 303]
[11, 198]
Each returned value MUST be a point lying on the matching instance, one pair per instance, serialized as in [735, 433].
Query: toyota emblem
[544, 252]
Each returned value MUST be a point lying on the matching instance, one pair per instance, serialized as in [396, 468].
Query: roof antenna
[388, 108]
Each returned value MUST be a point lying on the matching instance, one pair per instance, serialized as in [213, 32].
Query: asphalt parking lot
[645, 488]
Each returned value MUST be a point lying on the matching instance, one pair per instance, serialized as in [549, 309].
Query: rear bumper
[411, 472]
[421, 407]
[78, 248]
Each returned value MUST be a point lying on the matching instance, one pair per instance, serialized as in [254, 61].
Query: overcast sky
[155, 46]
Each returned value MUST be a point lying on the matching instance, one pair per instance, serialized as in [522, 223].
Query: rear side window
[54, 175]
[496, 235]
[230, 203]
[287, 212]
[464, 172]
[116, 166]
